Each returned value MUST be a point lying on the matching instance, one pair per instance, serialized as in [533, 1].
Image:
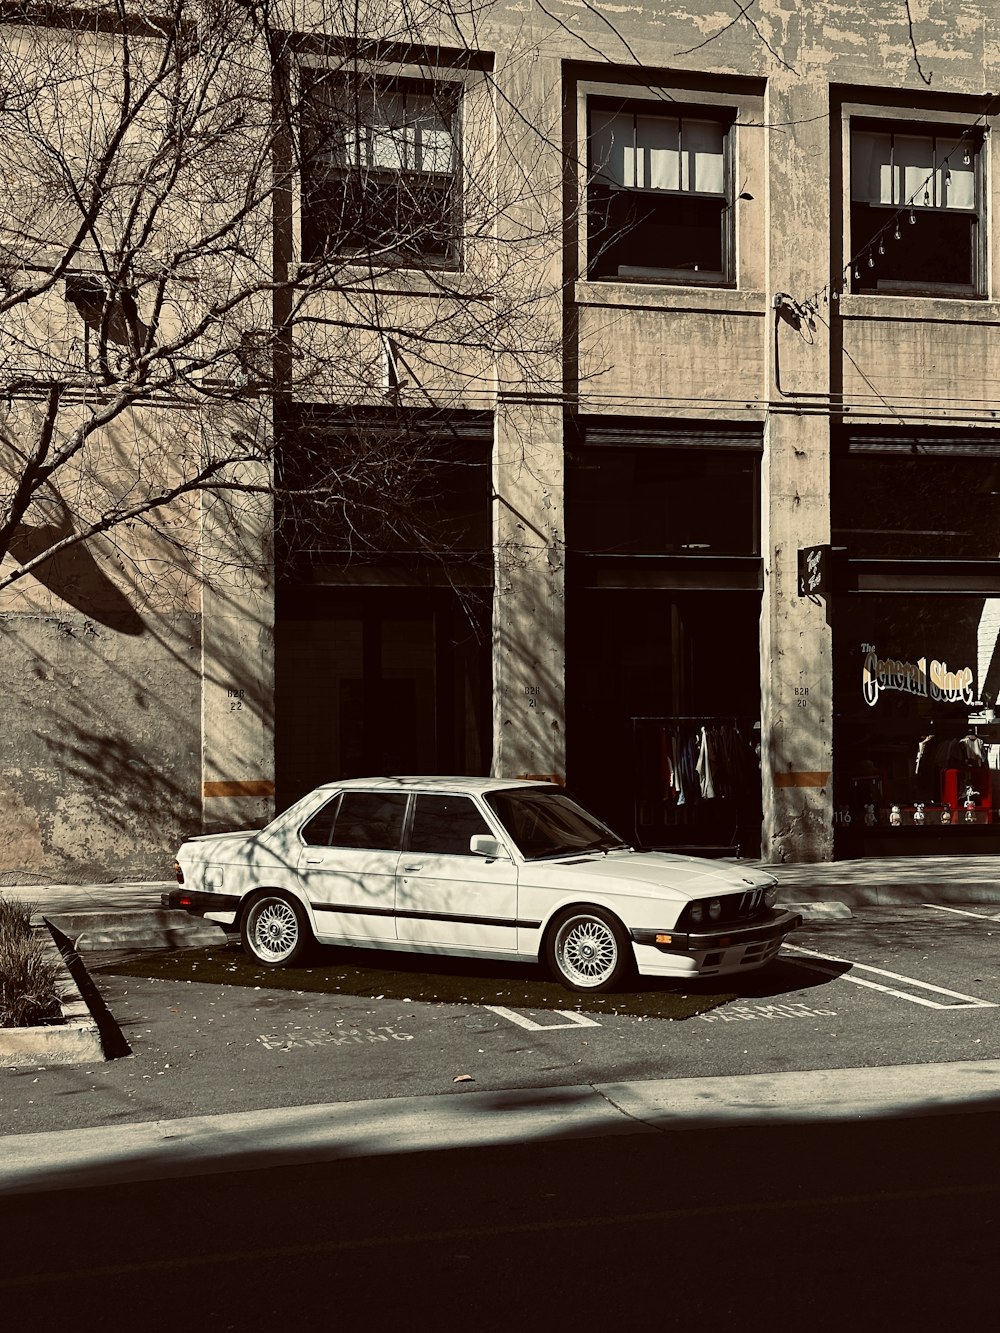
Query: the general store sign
[931, 680]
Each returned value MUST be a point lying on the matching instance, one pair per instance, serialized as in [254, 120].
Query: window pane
[431, 134]
[937, 250]
[672, 236]
[704, 164]
[611, 146]
[916, 505]
[370, 819]
[871, 178]
[913, 157]
[658, 154]
[443, 825]
[956, 178]
[650, 501]
[318, 830]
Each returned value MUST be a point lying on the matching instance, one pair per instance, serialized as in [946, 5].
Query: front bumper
[723, 949]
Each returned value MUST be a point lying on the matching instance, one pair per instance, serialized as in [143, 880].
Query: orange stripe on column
[260, 787]
[802, 779]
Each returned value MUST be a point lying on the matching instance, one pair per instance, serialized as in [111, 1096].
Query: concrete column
[529, 658]
[796, 640]
[237, 661]
[796, 648]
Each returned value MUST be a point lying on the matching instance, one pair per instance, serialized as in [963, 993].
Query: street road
[889, 986]
[887, 1224]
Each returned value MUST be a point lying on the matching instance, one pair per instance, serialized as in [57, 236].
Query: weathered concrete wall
[101, 759]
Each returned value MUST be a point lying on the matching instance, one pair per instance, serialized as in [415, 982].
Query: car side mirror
[480, 844]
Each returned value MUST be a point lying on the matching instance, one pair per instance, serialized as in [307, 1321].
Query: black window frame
[876, 231]
[360, 193]
[691, 206]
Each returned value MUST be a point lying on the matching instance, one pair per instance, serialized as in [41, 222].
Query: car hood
[650, 874]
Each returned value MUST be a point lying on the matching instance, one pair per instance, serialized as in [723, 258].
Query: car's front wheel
[587, 950]
[274, 929]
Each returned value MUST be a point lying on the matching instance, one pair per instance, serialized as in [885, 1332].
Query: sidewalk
[206, 1145]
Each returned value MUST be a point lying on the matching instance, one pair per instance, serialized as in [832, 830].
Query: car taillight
[178, 872]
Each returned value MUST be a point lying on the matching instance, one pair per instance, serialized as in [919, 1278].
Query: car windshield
[545, 822]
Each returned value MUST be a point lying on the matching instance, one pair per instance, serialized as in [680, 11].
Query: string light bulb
[881, 245]
[896, 233]
[913, 218]
[871, 260]
[927, 197]
[966, 157]
[857, 273]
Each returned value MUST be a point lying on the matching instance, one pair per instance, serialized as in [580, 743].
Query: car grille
[747, 906]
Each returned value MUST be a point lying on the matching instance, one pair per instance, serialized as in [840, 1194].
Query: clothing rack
[695, 777]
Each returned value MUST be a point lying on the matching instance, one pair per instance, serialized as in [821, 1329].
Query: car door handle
[314, 860]
[407, 869]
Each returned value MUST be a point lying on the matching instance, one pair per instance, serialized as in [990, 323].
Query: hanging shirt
[704, 768]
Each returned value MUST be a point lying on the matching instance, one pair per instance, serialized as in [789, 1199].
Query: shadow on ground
[453, 981]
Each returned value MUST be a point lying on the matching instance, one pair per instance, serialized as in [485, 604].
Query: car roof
[476, 785]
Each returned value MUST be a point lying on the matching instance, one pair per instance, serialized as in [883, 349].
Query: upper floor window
[917, 211]
[379, 168]
[659, 195]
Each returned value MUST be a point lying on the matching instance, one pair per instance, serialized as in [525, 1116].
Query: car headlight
[697, 914]
[771, 896]
[714, 908]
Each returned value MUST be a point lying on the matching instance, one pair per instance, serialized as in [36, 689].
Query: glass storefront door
[917, 743]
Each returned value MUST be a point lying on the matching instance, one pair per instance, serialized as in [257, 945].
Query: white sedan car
[480, 867]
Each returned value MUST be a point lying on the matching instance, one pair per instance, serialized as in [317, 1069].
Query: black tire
[274, 929]
[587, 950]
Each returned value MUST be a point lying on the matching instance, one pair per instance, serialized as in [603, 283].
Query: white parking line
[965, 1001]
[576, 1020]
[960, 911]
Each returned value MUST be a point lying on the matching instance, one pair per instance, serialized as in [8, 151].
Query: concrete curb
[74, 1041]
[139, 928]
[955, 893]
[249, 1140]
[822, 911]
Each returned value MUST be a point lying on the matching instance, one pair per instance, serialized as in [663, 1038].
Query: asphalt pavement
[119, 1144]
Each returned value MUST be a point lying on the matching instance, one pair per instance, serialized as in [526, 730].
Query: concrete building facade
[728, 560]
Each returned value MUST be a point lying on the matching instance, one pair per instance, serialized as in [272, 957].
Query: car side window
[443, 825]
[370, 819]
[317, 830]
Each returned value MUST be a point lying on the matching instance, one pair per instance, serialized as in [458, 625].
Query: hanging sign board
[814, 571]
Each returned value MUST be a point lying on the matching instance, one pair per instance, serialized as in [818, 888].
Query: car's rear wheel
[587, 950]
[274, 929]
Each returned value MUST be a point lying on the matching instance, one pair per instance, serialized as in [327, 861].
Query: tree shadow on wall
[128, 789]
[73, 575]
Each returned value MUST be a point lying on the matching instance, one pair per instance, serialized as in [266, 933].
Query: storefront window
[915, 499]
[917, 740]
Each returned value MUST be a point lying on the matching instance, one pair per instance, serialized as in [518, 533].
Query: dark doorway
[647, 672]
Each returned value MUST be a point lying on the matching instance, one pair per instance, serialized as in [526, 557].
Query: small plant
[28, 994]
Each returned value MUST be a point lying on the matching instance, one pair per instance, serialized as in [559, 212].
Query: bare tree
[205, 216]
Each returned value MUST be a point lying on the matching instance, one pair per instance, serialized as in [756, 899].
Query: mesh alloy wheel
[274, 930]
[588, 951]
